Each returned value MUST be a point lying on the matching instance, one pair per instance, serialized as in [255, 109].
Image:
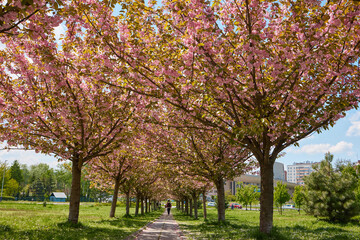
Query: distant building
[279, 173]
[297, 171]
[254, 180]
[58, 197]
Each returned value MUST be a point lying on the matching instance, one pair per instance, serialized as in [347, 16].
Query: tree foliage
[299, 197]
[331, 194]
[247, 194]
[281, 195]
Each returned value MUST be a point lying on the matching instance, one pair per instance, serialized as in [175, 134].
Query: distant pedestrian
[168, 206]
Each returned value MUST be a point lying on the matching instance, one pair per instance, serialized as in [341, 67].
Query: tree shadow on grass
[67, 232]
[212, 229]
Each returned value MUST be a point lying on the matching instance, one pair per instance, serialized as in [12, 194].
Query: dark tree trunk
[182, 205]
[204, 204]
[191, 206]
[187, 206]
[194, 196]
[142, 205]
[75, 192]
[267, 196]
[115, 197]
[220, 199]
[137, 205]
[128, 203]
[146, 205]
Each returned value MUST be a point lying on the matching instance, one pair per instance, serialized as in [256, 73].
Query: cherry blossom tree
[113, 170]
[41, 13]
[53, 101]
[265, 73]
[199, 153]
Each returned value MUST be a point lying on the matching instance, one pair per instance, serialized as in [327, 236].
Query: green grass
[33, 221]
[241, 224]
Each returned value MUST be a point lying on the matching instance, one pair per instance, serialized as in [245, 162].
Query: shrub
[331, 194]
[8, 198]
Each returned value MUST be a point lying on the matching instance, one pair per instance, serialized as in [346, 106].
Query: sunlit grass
[241, 224]
[33, 221]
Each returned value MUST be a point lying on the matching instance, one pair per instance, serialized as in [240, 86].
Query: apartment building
[297, 171]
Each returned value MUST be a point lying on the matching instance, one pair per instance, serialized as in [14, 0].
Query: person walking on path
[168, 206]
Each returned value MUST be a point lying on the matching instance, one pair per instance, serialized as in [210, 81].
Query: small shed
[58, 197]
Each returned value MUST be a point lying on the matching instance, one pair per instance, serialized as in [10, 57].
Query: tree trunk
[146, 205]
[267, 196]
[115, 197]
[128, 203]
[137, 205]
[182, 205]
[142, 205]
[194, 196]
[204, 205]
[75, 192]
[187, 206]
[220, 199]
[191, 206]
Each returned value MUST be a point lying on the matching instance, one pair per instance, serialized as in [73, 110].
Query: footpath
[164, 228]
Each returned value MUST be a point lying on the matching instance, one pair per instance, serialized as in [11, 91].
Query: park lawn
[241, 224]
[33, 221]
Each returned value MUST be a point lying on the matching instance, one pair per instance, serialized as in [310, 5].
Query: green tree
[38, 189]
[63, 178]
[281, 195]
[331, 194]
[247, 194]
[11, 187]
[43, 173]
[298, 197]
[15, 172]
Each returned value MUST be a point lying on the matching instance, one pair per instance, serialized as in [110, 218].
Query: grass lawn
[241, 224]
[33, 221]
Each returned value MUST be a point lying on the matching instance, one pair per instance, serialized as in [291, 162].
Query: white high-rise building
[279, 173]
[297, 171]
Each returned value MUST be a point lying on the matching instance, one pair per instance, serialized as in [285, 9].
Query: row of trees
[37, 182]
[257, 76]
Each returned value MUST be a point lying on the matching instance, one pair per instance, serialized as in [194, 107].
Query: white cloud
[341, 147]
[323, 148]
[355, 117]
[354, 129]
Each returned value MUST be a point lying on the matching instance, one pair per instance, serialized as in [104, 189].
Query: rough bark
[191, 206]
[137, 205]
[146, 205]
[267, 196]
[142, 205]
[204, 204]
[128, 203]
[219, 183]
[194, 196]
[75, 191]
[115, 197]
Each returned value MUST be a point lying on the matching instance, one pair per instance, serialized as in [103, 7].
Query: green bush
[8, 198]
[330, 194]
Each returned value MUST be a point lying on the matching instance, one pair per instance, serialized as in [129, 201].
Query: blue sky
[342, 140]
